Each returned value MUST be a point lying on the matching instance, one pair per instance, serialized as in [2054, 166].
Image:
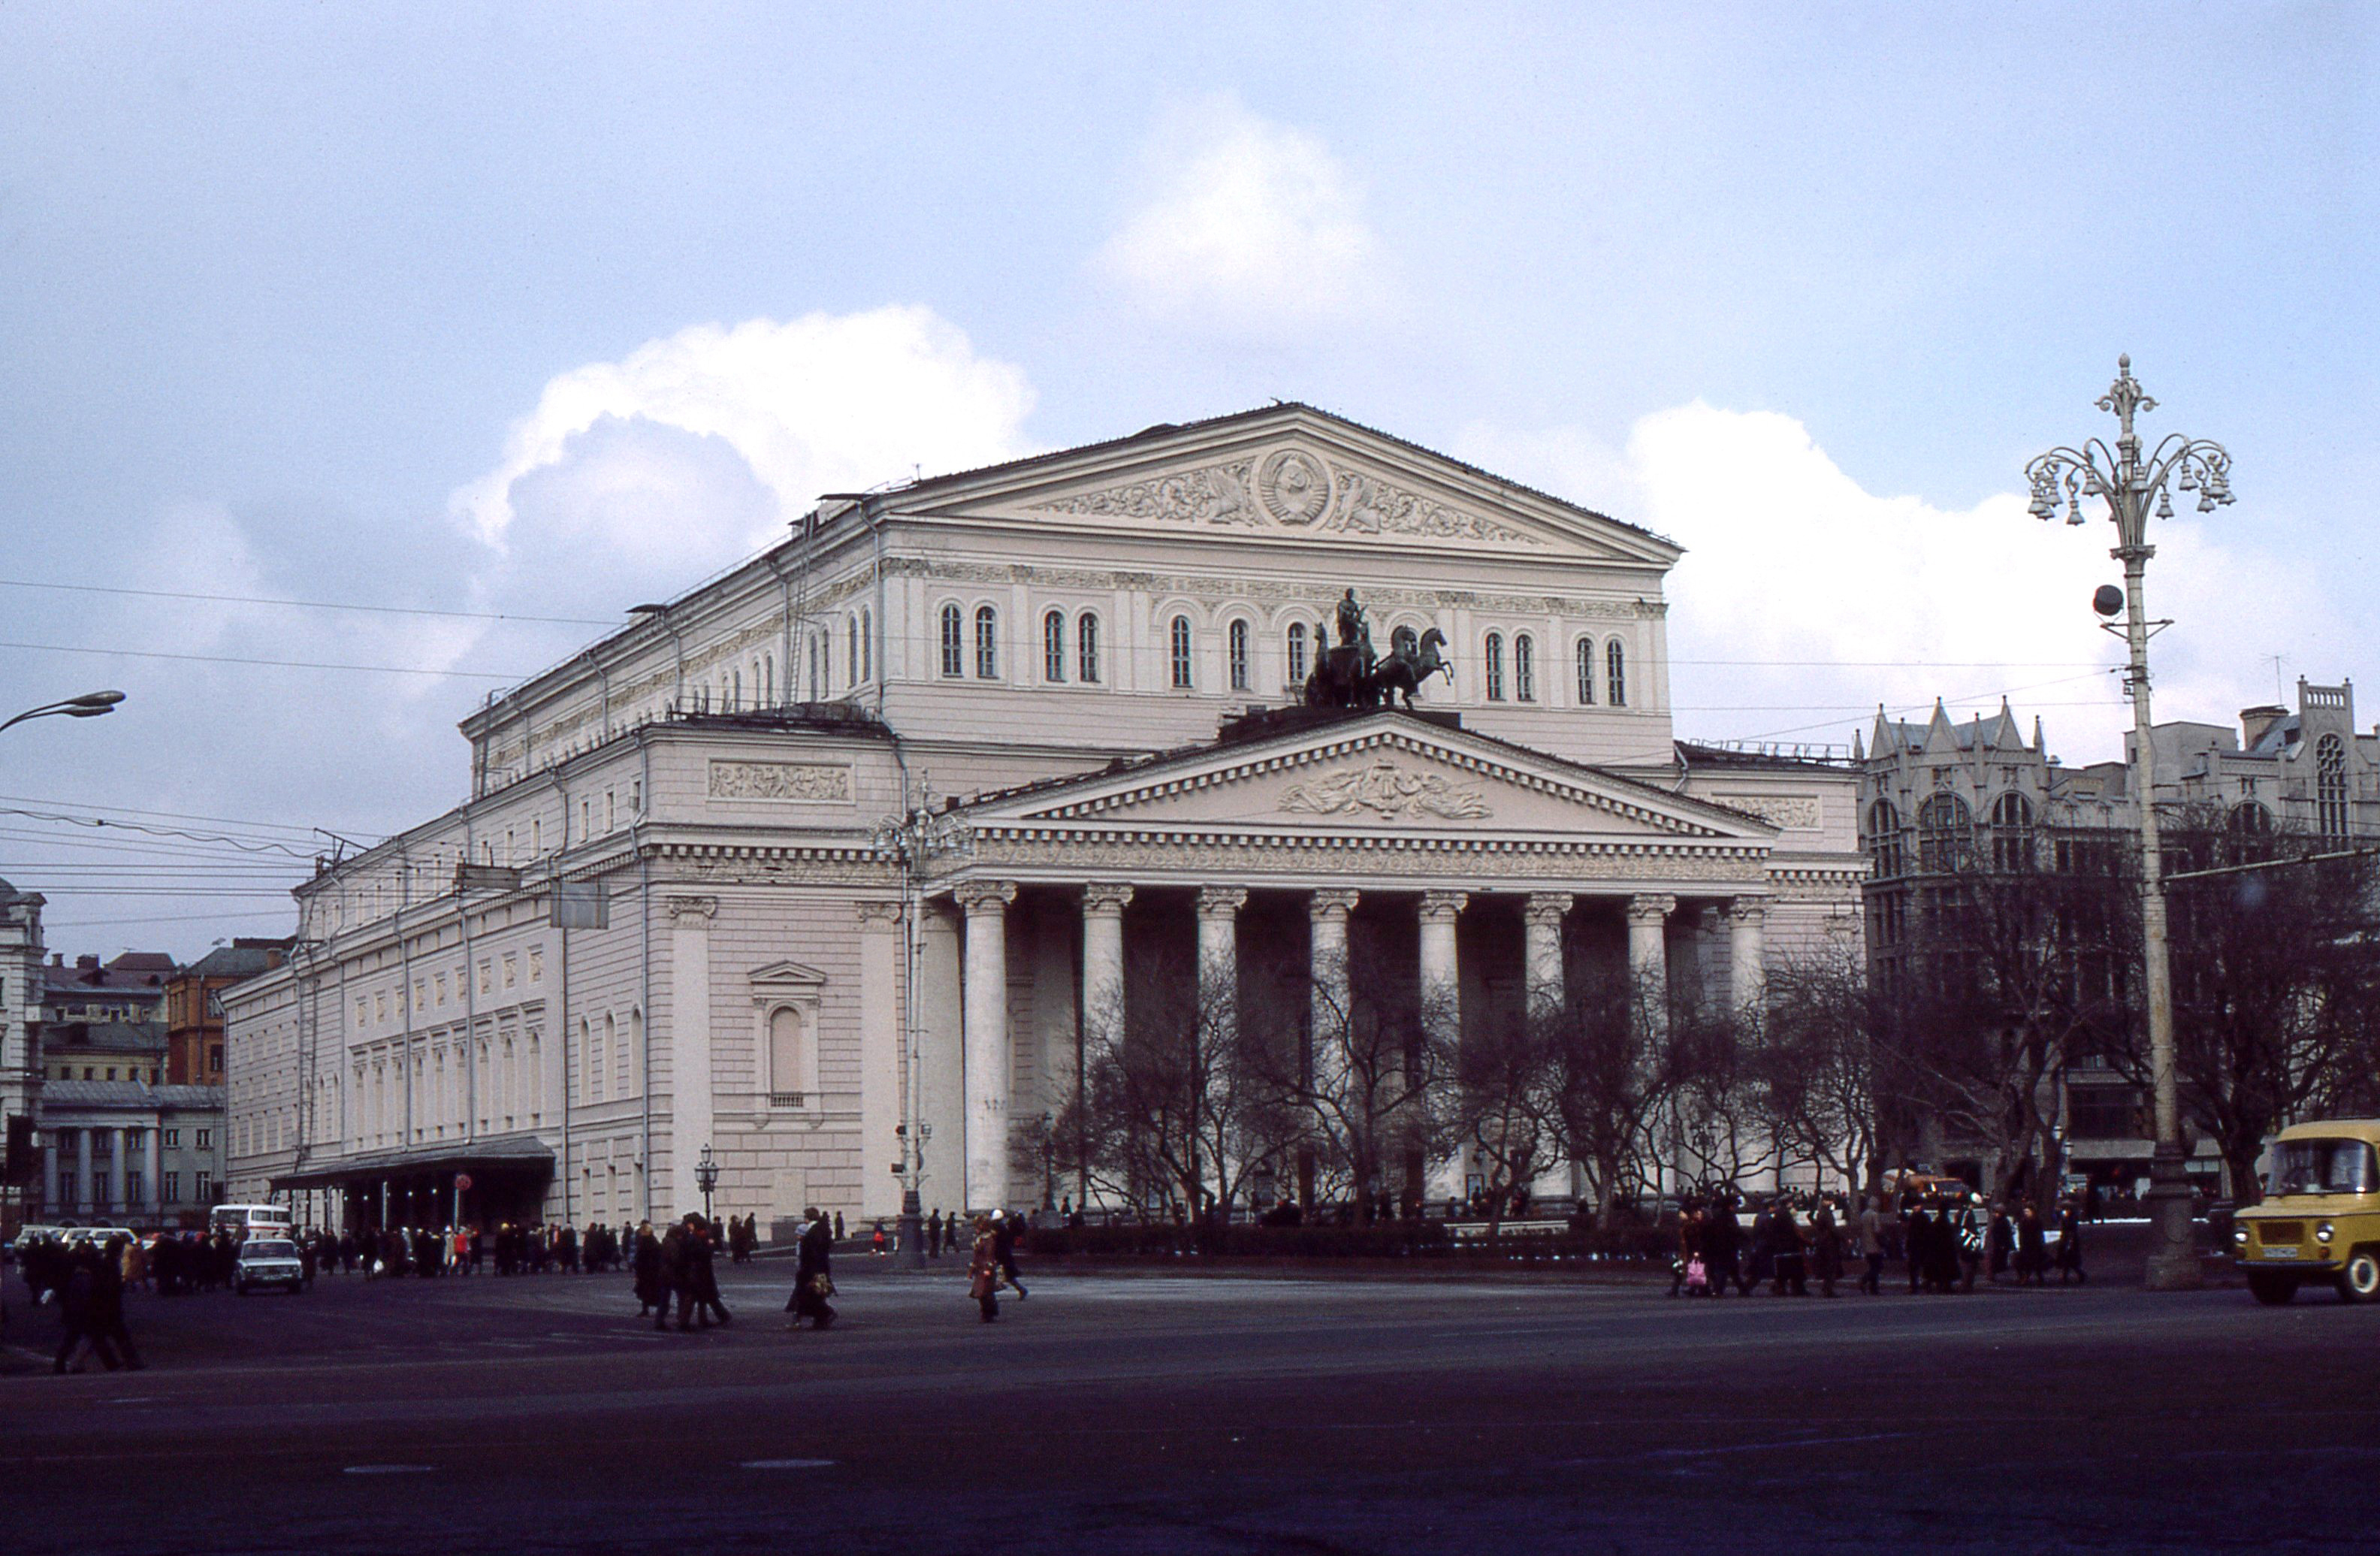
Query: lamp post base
[2174, 1263]
[913, 1231]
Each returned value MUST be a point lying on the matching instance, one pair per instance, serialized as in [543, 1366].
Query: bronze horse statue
[1349, 676]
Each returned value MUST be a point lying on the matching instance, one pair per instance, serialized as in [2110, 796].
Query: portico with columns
[1296, 852]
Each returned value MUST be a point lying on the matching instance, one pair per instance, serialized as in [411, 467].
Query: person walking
[706, 1275]
[2001, 1239]
[1788, 1261]
[1827, 1247]
[1971, 1240]
[78, 1309]
[2032, 1247]
[1690, 1274]
[650, 1266]
[1005, 1230]
[934, 1233]
[2069, 1244]
[1721, 1234]
[813, 1273]
[1871, 1244]
[983, 1271]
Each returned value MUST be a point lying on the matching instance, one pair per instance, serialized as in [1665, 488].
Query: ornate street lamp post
[2130, 484]
[911, 840]
[706, 1178]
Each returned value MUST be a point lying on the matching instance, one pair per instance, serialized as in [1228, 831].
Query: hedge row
[1429, 1240]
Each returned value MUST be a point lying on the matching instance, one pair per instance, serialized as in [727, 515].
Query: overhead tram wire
[306, 833]
[311, 604]
[506, 676]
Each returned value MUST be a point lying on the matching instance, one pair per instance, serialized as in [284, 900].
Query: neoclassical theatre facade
[906, 797]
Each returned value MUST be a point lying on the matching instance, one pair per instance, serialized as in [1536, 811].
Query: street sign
[462, 1183]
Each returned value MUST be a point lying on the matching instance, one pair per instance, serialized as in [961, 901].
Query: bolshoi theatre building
[836, 856]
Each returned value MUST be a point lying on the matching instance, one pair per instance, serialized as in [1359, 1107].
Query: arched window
[2330, 786]
[2249, 818]
[769, 680]
[987, 643]
[1587, 672]
[1181, 644]
[1087, 648]
[953, 643]
[734, 690]
[1239, 655]
[786, 1083]
[2011, 833]
[1053, 647]
[1946, 834]
[1524, 668]
[866, 645]
[1493, 659]
[851, 658]
[604, 1060]
[1884, 840]
[1297, 653]
[1615, 678]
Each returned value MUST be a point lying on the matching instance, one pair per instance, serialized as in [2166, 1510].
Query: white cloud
[1244, 224]
[815, 404]
[1839, 599]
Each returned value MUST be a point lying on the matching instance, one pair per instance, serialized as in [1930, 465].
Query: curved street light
[89, 705]
[912, 840]
[2130, 484]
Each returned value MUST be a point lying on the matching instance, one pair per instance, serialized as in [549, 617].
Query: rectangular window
[173, 1181]
[206, 1139]
[173, 1136]
[136, 1186]
[202, 1188]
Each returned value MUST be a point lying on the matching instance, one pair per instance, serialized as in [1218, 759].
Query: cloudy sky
[497, 320]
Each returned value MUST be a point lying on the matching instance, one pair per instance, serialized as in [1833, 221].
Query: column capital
[1441, 908]
[984, 896]
[1748, 910]
[1222, 901]
[693, 912]
[1546, 909]
[1651, 909]
[1329, 905]
[1106, 896]
[874, 914]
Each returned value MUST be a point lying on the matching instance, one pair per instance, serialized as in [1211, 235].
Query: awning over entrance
[502, 1153]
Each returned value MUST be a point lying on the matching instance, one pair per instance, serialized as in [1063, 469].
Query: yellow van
[2319, 1216]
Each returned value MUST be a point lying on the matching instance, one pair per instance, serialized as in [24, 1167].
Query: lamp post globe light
[2132, 484]
[89, 705]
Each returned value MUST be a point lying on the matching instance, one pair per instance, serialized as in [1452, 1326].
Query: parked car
[268, 1261]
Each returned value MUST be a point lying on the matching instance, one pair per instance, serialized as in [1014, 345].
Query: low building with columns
[861, 834]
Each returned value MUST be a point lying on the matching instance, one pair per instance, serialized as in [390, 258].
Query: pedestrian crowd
[1945, 1241]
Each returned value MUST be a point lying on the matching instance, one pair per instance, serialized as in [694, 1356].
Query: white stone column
[1103, 905]
[1649, 953]
[689, 1047]
[988, 1057]
[50, 1205]
[118, 1187]
[1329, 994]
[1442, 1002]
[1541, 949]
[881, 1066]
[941, 1054]
[1218, 956]
[153, 1185]
[1747, 973]
[83, 1195]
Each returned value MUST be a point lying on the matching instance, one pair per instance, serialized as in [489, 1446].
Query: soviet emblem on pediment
[1288, 489]
[1387, 789]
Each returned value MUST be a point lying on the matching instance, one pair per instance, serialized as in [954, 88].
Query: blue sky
[470, 310]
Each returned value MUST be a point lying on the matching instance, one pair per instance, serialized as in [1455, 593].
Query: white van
[251, 1220]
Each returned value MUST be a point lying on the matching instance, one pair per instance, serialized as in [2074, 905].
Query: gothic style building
[1939, 798]
[864, 831]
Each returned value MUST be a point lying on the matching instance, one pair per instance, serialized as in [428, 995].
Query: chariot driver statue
[1352, 675]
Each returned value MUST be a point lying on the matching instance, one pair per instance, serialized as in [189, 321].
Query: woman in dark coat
[1827, 1247]
[652, 1275]
[983, 1271]
[2032, 1247]
[2069, 1243]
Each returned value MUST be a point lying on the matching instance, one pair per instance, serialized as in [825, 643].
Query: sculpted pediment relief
[1389, 777]
[1291, 489]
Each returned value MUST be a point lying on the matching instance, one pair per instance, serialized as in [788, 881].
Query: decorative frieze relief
[1290, 488]
[1795, 812]
[808, 782]
[1388, 790]
[1268, 590]
[1382, 860]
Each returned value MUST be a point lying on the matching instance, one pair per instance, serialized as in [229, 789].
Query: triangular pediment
[1293, 475]
[1371, 774]
[785, 976]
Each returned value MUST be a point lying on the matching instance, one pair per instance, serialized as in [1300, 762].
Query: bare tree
[2277, 984]
[1508, 1104]
[1613, 1043]
[1817, 1069]
[1370, 1071]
